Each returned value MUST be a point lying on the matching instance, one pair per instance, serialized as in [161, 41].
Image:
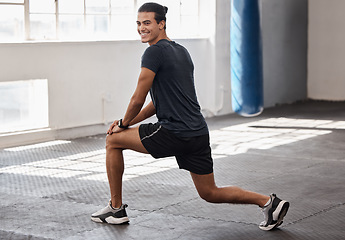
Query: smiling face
[149, 30]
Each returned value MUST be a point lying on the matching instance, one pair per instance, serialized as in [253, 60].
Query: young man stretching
[181, 130]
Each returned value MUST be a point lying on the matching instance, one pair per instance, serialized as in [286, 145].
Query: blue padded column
[246, 58]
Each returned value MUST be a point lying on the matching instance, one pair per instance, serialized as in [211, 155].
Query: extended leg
[273, 208]
[208, 191]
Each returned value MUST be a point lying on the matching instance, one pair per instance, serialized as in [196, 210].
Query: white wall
[79, 75]
[89, 83]
[326, 50]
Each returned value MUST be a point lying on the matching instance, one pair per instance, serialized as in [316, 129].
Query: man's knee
[209, 195]
[111, 142]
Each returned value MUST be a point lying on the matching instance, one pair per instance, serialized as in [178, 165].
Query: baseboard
[26, 137]
[47, 134]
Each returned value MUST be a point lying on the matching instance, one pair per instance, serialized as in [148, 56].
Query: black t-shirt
[173, 91]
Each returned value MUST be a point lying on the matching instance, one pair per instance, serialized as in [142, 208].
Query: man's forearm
[145, 113]
[133, 110]
[138, 99]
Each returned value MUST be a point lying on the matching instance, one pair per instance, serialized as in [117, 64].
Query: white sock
[113, 207]
[268, 203]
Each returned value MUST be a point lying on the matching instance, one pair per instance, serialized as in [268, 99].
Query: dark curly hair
[158, 9]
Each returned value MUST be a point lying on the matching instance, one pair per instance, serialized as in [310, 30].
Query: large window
[90, 19]
[12, 20]
[23, 105]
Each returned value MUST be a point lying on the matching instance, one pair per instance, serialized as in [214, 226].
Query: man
[181, 130]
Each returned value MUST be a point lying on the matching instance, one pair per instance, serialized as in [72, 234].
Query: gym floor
[49, 190]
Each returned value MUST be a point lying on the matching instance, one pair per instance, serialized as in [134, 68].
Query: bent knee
[111, 142]
[209, 195]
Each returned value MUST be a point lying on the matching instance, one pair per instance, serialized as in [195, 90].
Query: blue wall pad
[246, 58]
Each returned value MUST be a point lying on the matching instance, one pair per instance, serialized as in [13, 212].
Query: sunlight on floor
[36, 146]
[268, 133]
[237, 139]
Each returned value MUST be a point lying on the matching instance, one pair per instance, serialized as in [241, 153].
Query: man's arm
[145, 113]
[137, 100]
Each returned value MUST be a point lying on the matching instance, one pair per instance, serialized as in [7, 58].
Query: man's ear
[161, 24]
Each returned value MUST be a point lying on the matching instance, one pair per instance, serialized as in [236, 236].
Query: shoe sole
[281, 211]
[111, 220]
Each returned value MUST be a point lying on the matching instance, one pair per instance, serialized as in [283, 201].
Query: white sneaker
[274, 213]
[111, 215]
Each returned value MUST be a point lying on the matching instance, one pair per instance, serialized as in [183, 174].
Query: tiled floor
[49, 190]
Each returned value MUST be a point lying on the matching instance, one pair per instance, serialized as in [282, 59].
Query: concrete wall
[284, 29]
[326, 55]
[222, 80]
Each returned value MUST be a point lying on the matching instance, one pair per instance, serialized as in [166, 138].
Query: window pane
[42, 6]
[23, 105]
[11, 23]
[97, 6]
[12, 1]
[71, 26]
[42, 26]
[97, 25]
[189, 7]
[124, 27]
[71, 6]
[173, 5]
[122, 7]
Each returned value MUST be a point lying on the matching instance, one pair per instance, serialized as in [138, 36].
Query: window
[89, 19]
[189, 16]
[71, 19]
[42, 19]
[12, 20]
[23, 105]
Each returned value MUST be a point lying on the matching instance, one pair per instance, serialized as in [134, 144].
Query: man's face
[148, 28]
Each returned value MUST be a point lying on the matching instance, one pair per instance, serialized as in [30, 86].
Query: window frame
[109, 14]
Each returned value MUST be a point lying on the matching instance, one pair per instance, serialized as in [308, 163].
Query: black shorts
[192, 153]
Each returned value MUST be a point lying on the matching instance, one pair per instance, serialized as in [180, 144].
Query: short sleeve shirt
[173, 91]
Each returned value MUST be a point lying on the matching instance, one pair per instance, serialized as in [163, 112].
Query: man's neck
[160, 37]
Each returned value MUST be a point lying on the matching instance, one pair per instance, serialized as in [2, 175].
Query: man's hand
[114, 128]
